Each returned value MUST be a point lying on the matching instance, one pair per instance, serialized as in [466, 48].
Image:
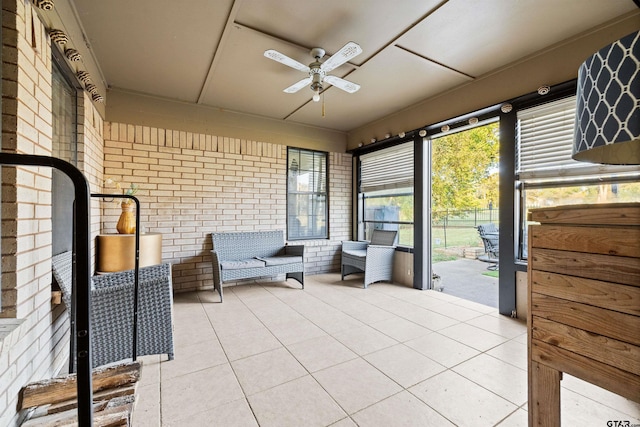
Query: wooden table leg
[544, 398]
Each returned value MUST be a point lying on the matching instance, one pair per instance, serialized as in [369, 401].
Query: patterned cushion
[242, 263]
[280, 260]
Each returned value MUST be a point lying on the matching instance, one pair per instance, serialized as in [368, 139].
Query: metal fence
[464, 218]
[450, 227]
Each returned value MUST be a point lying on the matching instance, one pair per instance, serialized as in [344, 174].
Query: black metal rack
[81, 272]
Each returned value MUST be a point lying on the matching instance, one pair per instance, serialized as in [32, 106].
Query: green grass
[439, 256]
[495, 274]
[455, 237]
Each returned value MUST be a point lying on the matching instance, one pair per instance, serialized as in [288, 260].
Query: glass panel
[550, 177]
[63, 101]
[64, 146]
[592, 193]
[390, 210]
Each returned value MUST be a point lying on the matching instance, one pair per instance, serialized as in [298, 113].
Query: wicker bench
[250, 255]
[112, 310]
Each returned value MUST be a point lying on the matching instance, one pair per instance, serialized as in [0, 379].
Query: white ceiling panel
[245, 80]
[162, 48]
[477, 37]
[330, 24]
[391, 81]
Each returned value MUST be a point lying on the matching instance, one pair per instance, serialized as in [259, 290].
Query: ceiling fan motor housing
[317, 75]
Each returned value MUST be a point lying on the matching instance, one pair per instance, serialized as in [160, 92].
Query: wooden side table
[584, 302]
[116, 252]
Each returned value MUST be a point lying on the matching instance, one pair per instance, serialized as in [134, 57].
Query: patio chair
[374, 258]
[112, 310]
[490, 236]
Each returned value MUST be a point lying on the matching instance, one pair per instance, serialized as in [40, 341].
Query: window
[386, 192]
[64, 146]
[546, 175]
[307, 198]
[63, 99]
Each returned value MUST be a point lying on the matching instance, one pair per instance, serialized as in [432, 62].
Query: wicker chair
[490, 236]
[374, 258]
[112, 310]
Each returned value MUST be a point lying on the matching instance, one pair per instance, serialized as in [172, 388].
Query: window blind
[307, 171]
[385, 169]
[545, 138]
[545, 143]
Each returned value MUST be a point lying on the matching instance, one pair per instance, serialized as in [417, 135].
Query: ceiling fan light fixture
[316, 87]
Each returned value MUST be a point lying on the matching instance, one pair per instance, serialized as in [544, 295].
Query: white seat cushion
[357, 253]
[242, 263]
[280, 260]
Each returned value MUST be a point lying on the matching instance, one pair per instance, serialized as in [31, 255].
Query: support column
[422, 213]
[507, 278]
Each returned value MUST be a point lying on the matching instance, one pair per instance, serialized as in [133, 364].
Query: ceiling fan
[318, 70]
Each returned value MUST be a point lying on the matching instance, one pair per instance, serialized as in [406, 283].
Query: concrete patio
[464, 278]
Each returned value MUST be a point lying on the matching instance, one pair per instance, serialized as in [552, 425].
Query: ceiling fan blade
[297, 86]
[343, 84]
[348, 51]
[284, 59]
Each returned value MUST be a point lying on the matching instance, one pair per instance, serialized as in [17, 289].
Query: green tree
[464, 166]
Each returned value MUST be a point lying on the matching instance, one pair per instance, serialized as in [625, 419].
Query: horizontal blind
[545, 143]
[389, 168]
[545, 138]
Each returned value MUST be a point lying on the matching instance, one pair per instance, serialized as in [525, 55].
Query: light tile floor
[338, 355]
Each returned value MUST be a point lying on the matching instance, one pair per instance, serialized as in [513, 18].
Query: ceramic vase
[127, 221]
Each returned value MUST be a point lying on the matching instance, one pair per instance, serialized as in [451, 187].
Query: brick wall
[194, 184]
[26, 219]
[34, 334]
